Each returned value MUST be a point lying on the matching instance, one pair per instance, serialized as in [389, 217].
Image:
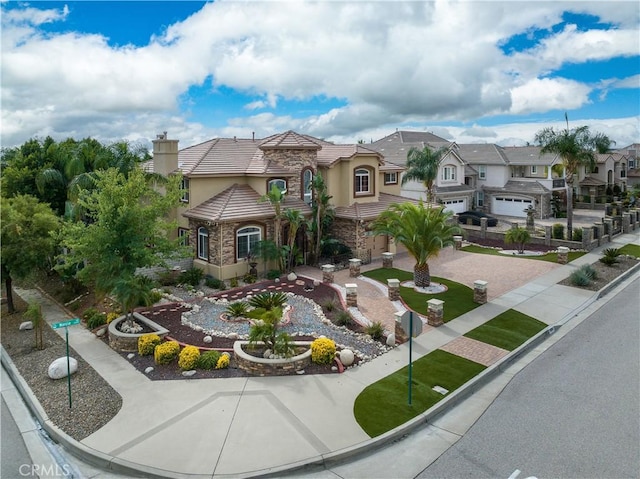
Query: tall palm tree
[296, 220]
[575, 147]
[323, 214]
[275, 196]
[133, 291]
[422, 230]
[422, 165]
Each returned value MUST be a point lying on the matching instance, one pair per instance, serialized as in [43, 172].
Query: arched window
[247, 239]
[362, 185]
[203, 243]
[279, 182]
[307, 193]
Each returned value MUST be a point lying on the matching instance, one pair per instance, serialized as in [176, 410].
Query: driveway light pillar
[393, 285]
[327, 273]
[480, 291]
[352, 295]
[457, 240]
[354, 267]
[387, 260]
[435, 312]
[563, 255]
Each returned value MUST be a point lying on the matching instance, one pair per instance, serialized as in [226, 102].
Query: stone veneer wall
[295, 161]
[345, 231]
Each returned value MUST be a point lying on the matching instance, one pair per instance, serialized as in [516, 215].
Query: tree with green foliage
[422, 165]
[133, 291]
[275, 197]
[34, 314]
[127, 228]
[519, 236]
[28, 239]
[295, 219]
[422, 230]
[323, 215]
[576, 147]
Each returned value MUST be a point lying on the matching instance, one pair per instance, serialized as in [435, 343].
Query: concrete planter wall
[270, 367]
[128, 342]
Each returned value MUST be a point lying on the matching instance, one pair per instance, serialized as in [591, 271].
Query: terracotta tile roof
[331, 154]
[603, 157]
[240, 202]
[591, 181]
[370, 211]
[291, 140]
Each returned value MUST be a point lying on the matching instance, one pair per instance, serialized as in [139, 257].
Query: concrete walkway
[244, 427]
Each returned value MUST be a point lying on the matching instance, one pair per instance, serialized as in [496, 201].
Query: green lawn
[458, 299]
[550, 257]
[631, 250]
[383, 405]
[507, 330]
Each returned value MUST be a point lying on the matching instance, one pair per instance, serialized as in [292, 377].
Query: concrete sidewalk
[244, 427]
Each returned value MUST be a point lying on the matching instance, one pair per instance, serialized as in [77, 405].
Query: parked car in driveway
[474, 217]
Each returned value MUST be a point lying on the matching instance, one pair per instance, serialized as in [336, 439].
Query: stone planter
[128, 342]
[269, 367]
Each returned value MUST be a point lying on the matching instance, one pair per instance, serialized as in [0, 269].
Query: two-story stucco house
[610, 171]
[223, 217]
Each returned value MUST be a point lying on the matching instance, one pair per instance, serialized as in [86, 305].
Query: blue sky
[470, 71]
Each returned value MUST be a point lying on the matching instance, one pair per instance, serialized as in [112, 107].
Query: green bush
[237, 309]
[168, 278]
[223, 361]
[147, 344]
[268, 301]
[273, 274]
[94, 318]
[233, 282]
[328, 304]
[249, 278]
[577, 234]
[213, 283]
[583, 275]
[344, 318]
[192, 276]
[188, 358]
[89, 312]
[166, 352]
[375, 330]
[209, 359]
[610, 256]
[557, 231]
[323, 350]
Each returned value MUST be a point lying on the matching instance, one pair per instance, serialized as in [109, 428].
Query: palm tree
[576, 147]
[275, 197]
[295, 220]
[323, 214]
[422, 230]
[519, 236]
[422, 165]
[133, 291]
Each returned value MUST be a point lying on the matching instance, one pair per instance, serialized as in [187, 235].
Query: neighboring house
[610, 171]
[487, 177]
[222, 216]
[633, 166]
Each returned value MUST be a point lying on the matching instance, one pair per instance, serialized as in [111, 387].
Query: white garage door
[457, 206]
[510, 206]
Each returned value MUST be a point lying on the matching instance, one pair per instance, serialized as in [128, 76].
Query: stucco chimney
[165, 155]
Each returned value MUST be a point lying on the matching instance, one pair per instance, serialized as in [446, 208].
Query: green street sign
[64, 324]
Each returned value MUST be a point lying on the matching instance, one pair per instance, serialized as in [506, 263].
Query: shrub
[111, 316]
[323, 350]
[188, 358]
[96, 320]
[89, 313]
[557, 231]
[610, 256]
[268, 301]
[343, 318]
[192, 276]
[577, 234]
[580, 278]
[249, 278]
[375, 330]
[237, 309]
[213, 283]
[155, 296]
[168, 278]
[233, 282]
[223, 361]
[273, 274]
[589, 271]
[166, 352]
[328, 304]
[147, 344]
[209, 359]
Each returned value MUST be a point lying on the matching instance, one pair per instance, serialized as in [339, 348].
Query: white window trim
[393, 178]
[203, 233]
[361, 173]
[185, 190]
[534, 169]
[482, 172]
[241, 232]
[276, 181]
[449, 168]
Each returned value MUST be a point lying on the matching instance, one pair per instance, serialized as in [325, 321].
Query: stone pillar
[608, 227]
[393, 285]
[547, 235]
[563, 255]
[626, 223]
[586, 238]
[435, 312]
[352, 295]
[480, 291]
[387, 260]
[457, 240]
[483, 227]
[327, 273]
[354, 267]
[599, 227]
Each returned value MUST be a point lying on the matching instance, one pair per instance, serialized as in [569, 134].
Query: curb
[325, 461]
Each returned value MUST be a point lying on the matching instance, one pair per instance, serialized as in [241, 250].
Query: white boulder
[189, 373]
[347, 357]
[148, 369]
[58, 368]
[391, 340]
[292, 276]
[207, 339]
[26, 325]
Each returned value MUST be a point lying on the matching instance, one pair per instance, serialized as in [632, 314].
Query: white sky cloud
[389, 62]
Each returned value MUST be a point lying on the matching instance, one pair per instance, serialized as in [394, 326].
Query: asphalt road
[573, 413]
[16, 461]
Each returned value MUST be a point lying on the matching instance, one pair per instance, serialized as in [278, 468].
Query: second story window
[362, 181]
[307, 192]
[449, 173]
[184, 186]
[280, 183]
[391, 178]
[183, 234]
[482, 172]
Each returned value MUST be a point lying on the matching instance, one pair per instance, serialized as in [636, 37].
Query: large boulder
[26, 325]
[347, 357]
[58, 368]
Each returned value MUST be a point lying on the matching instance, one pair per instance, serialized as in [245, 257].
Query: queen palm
[422, 230]
[575, 147]
[422, 165]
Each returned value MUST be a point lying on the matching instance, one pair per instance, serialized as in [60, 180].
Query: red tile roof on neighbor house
[241, 202]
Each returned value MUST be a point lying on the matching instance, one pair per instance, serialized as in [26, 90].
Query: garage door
[457, 206]
[510, 206]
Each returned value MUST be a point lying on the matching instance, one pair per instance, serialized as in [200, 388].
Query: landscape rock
[391, 340]
[101, 332]
[292, 277]
[26, 325]
[189, 373]
[267, 354]
[347, 357]
[207, 339]
[130, 356]
[58, 368]
[148, 369]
